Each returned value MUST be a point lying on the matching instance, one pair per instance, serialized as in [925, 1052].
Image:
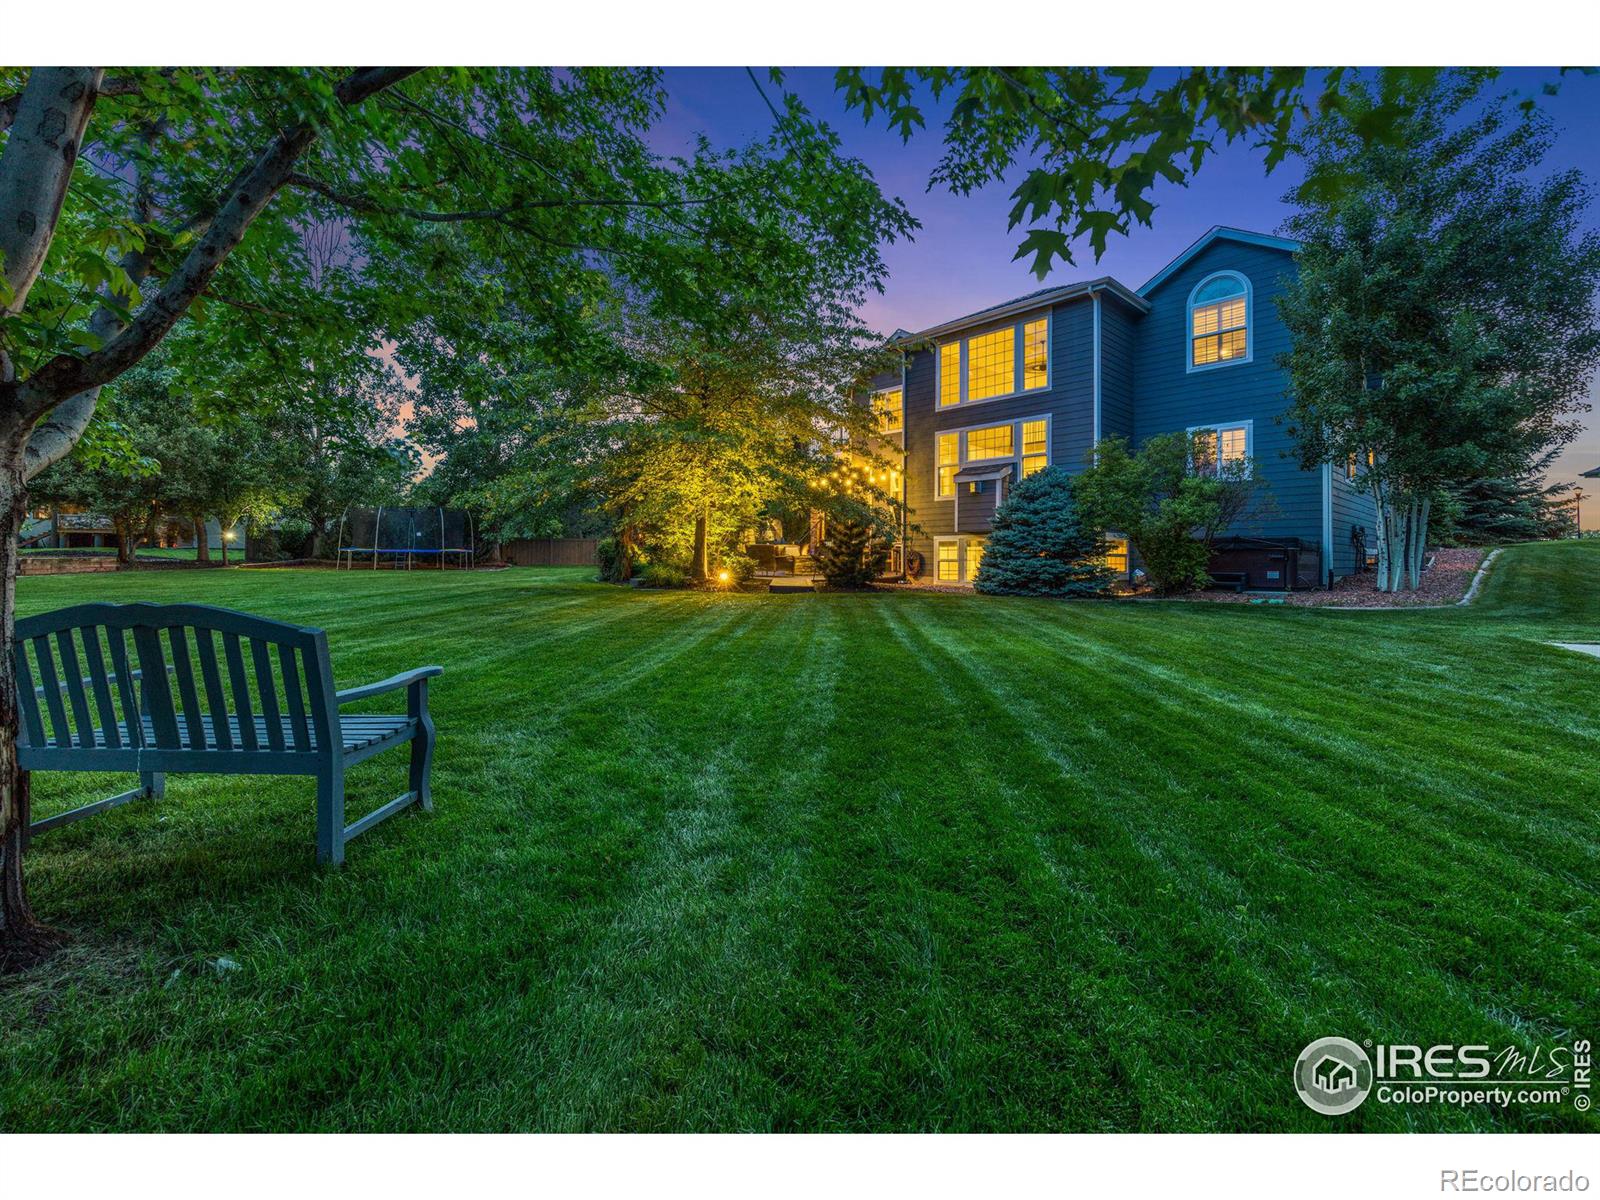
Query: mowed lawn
[877, 862]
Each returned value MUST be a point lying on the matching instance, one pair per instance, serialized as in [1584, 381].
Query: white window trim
[901, 432]
[1014, 458]
[1249, 427]
[1249, 324]
[1016, 361]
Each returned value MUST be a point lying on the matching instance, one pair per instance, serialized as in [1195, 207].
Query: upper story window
[889, 408]
[948, 461]
[1035, 447]
[1224, 446]
[1219, 321]
[1035, 352]
[1001, 362]
[1025, 442]
[994, 442]
[991, 364]
[949, 374]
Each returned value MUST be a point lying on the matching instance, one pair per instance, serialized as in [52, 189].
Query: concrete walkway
[1581, 647]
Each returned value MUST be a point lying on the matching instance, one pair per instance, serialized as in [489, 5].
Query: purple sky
[961, 257]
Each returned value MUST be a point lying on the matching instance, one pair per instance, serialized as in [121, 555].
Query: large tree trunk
[700, 568]
[1402, 531]
[202, 543]
[23, 940]
[625, 551]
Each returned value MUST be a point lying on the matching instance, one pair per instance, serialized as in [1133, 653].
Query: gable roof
[1038, 299]
[1225, 233]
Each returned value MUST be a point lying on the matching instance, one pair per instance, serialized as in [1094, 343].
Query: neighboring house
[1037, 381]
[67, 528]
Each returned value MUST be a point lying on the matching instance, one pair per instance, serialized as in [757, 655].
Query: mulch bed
[1445, 582]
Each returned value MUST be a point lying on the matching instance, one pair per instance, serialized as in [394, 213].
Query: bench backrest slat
[293, 698]
[188, 697]
[52, 691]
[32, 724]
[102, 688]
[117, 639]
[72, 673]
[216, 701]
[155, 693]
[241, 692]
[271, 714]
[210, 705]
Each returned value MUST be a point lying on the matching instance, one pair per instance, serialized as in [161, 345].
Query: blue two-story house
[993, 396]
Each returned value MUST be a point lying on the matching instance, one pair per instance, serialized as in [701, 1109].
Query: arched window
[1219, 321]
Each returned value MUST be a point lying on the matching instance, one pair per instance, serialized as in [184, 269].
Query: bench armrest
[392, 684]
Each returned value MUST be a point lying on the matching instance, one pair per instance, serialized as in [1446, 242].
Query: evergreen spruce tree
[1040, 545]
[853, 555]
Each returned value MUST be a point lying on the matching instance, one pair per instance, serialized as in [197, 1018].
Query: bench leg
[330, 815]
[155, 784]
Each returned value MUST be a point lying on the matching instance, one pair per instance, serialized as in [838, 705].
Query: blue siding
[1118, 345]
[1068, 402]
[1146, 388]
[1170, 397]
[1351, 507]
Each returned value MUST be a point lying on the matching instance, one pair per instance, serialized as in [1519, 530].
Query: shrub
[854, 554]
[1169, 512]
[663, 575]
[1040, 546]
[741, 568]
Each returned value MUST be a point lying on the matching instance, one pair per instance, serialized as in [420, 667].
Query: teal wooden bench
[260, 703]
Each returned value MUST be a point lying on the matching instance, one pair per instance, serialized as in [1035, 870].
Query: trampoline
[403, 538]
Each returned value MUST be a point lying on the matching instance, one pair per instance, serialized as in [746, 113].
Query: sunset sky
[961, 258]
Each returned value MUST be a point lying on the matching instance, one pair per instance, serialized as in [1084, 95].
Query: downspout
[905, 462]
[1327, 524]
[1094, 299]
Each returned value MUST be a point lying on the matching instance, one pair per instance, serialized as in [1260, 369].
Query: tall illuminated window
[974, 557]
[949, 562]
[993, 442]
[949, 374]
[1035, 355]
[1035, 448]
[1219, 317]
[1220, 446]
[1116, 558]
[890, 409]
[948, 460]
[991, 364]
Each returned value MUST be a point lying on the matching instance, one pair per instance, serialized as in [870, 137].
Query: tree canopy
[1443, 314]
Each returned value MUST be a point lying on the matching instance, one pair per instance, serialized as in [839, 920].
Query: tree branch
[69, 387]
[363, 204]
[36, 166]
[250, 192]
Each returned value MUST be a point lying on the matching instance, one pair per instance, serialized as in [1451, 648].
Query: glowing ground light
[723, 577]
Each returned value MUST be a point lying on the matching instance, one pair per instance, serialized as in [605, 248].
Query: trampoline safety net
[403, 538]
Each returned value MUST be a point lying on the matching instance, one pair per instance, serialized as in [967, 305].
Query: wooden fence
[550, 552]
